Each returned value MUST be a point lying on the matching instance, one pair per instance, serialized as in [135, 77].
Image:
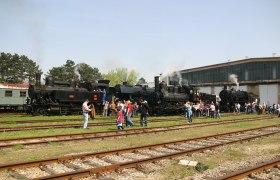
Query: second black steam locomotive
[162, 99]
[230, 97]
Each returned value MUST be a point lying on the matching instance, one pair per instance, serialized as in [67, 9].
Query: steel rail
[106, 134]
[125, 150]
[248, 171]
[57, 126]
[136, 163]
[26, 128]
[78, 119]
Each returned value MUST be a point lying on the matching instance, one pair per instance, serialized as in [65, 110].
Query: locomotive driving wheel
[41, 111]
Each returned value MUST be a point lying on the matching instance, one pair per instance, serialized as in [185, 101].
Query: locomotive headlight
[71, 96]
[191, 91]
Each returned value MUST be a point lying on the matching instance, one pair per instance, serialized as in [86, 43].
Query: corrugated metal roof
[229, 63]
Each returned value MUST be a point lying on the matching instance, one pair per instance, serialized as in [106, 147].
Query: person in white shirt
[85, 109]
[212, 109]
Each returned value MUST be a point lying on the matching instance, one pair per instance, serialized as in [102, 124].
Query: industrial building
[260, 76]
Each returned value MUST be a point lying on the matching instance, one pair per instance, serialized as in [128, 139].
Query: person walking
[217, 110]
[186, 106]
[129, 109]
[212, 109]
[134, 109]
[120, 120]
[144, 111]
[86, 110]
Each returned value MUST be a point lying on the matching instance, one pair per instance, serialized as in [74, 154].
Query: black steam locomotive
[170, 99]
[162, 99]
[61, 97]
[231, 97]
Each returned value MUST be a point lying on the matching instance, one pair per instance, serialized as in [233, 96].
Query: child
[120, 119]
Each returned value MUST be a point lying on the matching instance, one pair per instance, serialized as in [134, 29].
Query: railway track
[257, 171]
[80, 125]
[79, 120]
[136, 158]
[112, 134]
[63, 126]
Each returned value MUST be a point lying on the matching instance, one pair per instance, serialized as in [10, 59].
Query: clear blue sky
[151, 36]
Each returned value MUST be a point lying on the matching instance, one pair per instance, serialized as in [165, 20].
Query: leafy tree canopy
[81, 72]
[64, 72]
[120, 75]
[17, 68]
[87, 73]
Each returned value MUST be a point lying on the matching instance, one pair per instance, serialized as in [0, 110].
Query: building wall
[260, 76]
[218, 89]
[269, 94]
[247, 71]
[205, 90]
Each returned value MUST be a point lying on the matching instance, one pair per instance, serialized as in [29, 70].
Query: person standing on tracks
[144, 111]
[86, 110]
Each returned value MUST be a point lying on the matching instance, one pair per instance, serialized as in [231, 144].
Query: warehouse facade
[260, 76]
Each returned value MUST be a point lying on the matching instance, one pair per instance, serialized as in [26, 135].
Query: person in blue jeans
[188, 107]
[129, 110]
[144, 111]
[86, 110]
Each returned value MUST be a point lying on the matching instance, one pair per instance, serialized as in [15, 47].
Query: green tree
[87, 73]
[64, 72]
[17, 69]
[57, 73]
[79, 72]
[120, 75]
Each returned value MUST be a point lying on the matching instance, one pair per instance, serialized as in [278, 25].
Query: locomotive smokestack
[38, 79]
[156, 83]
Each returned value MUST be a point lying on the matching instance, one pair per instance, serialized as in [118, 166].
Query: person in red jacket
[128, 113]
[120, 119]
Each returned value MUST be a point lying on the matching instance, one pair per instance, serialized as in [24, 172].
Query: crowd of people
[125, 110]
[200, 109]
[262, 108]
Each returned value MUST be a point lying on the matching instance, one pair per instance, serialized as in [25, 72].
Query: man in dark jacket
[144, 111]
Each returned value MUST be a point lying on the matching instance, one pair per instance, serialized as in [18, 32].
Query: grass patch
[171, 171]
[17, 146]
[53, 149]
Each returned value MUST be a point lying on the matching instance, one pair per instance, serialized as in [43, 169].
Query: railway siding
[115, 160]
[109, 134]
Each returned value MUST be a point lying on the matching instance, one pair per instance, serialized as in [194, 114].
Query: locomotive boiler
[64, 97]
[170, 99]
[162, 99]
